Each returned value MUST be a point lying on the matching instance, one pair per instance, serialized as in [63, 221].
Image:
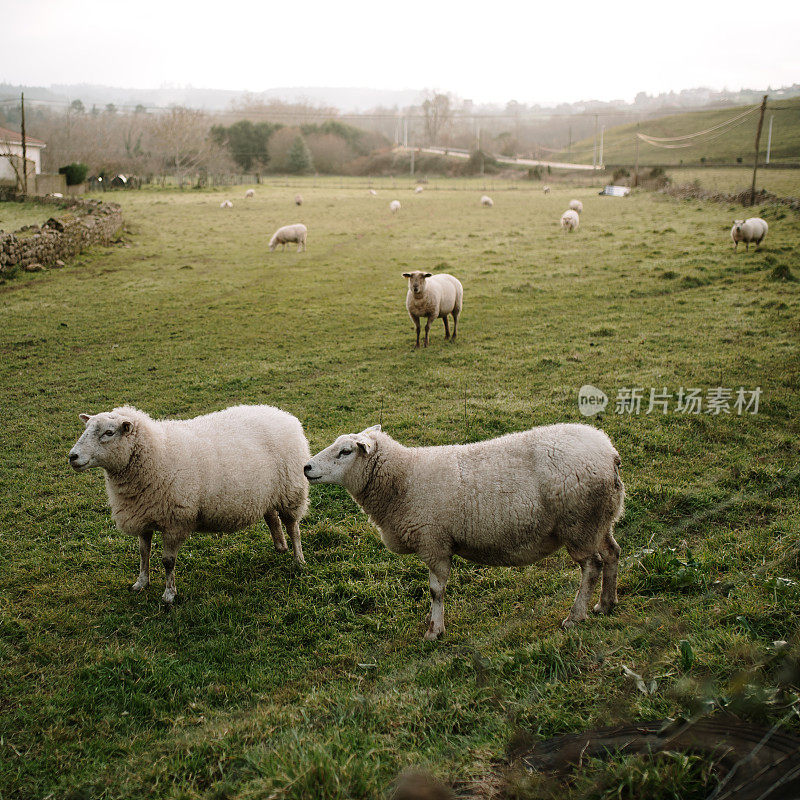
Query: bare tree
[438, 113]
[180, 135]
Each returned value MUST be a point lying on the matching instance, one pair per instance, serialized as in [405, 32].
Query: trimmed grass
[782, 182]
[265, 680]
[14, 215]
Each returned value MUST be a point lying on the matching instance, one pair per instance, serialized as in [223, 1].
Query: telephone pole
[758, 138]
[24, 149]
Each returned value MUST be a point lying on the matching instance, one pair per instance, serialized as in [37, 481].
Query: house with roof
[11, 156]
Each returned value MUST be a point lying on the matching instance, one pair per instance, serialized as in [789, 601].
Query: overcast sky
[488, 52]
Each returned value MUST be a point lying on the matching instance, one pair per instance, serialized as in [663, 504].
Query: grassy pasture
[14, 215]
[782, 182]
[265, 680]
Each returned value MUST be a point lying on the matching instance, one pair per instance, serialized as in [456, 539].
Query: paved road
[522, 162]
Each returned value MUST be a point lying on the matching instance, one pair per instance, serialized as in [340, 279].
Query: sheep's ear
[367, 446]
[374, 429]
[428, 275]
[84, 418]
[126, 427]
[406, 274]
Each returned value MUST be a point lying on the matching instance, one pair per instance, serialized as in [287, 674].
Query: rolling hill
[722, 146]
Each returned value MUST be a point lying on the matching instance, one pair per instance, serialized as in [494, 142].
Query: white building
[11, 149]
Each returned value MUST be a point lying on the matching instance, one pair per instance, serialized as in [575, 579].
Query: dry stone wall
[82, 223]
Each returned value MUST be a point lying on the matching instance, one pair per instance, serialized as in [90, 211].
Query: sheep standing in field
[418, 190]
[226, 204]
[290, 233]
[433, 296]
[570, 220]
[546, 189]
[298, 199]
[748, 230]
[487, 201]
[250, 193]
[394, 206]
[576, 205]
[373, 193]
[219, 472]
[504, 502]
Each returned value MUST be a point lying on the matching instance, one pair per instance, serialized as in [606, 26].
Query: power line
[703, 132]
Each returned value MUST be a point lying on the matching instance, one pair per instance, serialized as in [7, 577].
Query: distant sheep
[486, 201]
[570, 220]
[748, 230]
[290, 233]
[249, 193]
[546, 189]
[509, 501]
[226, 204]
[576, 205]
[298, 199]
[220, 472]
[394, 206]
[418, 190]
[433, 296]
[373, 192]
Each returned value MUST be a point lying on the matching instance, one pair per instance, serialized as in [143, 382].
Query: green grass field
[782, 182]
[13, 216]
[717, 147]
[268, 681]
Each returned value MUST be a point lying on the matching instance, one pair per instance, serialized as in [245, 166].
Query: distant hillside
[737, 143]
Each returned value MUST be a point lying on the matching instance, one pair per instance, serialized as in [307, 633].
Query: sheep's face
[737, 225]
[343, 461]
[416, 282]
[106, 442]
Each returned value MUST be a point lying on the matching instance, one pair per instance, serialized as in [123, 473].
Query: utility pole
[405, 131]
[594, 152]
[602, 133]
[412, 160]
[635, 181]
[758, 139]
[24, 149]
[769, 137]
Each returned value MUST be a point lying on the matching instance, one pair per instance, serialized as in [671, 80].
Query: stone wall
[84, 223]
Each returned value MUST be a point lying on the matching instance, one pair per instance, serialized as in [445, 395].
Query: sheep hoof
[281, 548]
[431, 635]
[169, 596]
[139, 585]
[600, 608]
[567, 623]
[300, 562]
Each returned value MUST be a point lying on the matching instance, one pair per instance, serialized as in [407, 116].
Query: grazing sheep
[290, 233]
[394, 206]
[434, 296]
[249, 193]
[298, 199]
[576, 205]
[373, 192]
[486, 201]
[504, 502]
[748, 230]
[226, 204]
[219, 472]
[570, 220]
[546, 189]
[418, 190]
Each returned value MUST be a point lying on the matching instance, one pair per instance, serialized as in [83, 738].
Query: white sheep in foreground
[249, 193]
[418, 190]
[394, 206]
[487, 201]
[570, 220]
[576, 205]
[219, 472]
[546, 189]
[298, 199]
[504, 502]
[433, 296]
[373, 192]
[290, 233]
[748, 230]
[226, 204]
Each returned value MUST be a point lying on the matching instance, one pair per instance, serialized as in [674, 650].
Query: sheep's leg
[591, 566]
[143, 581]
[416, 324]
[456, 312]
[446, 328]
[171, 544]
[293, 526]
[428, 321]
[609, 552]
[437, 580]
[274, 522]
